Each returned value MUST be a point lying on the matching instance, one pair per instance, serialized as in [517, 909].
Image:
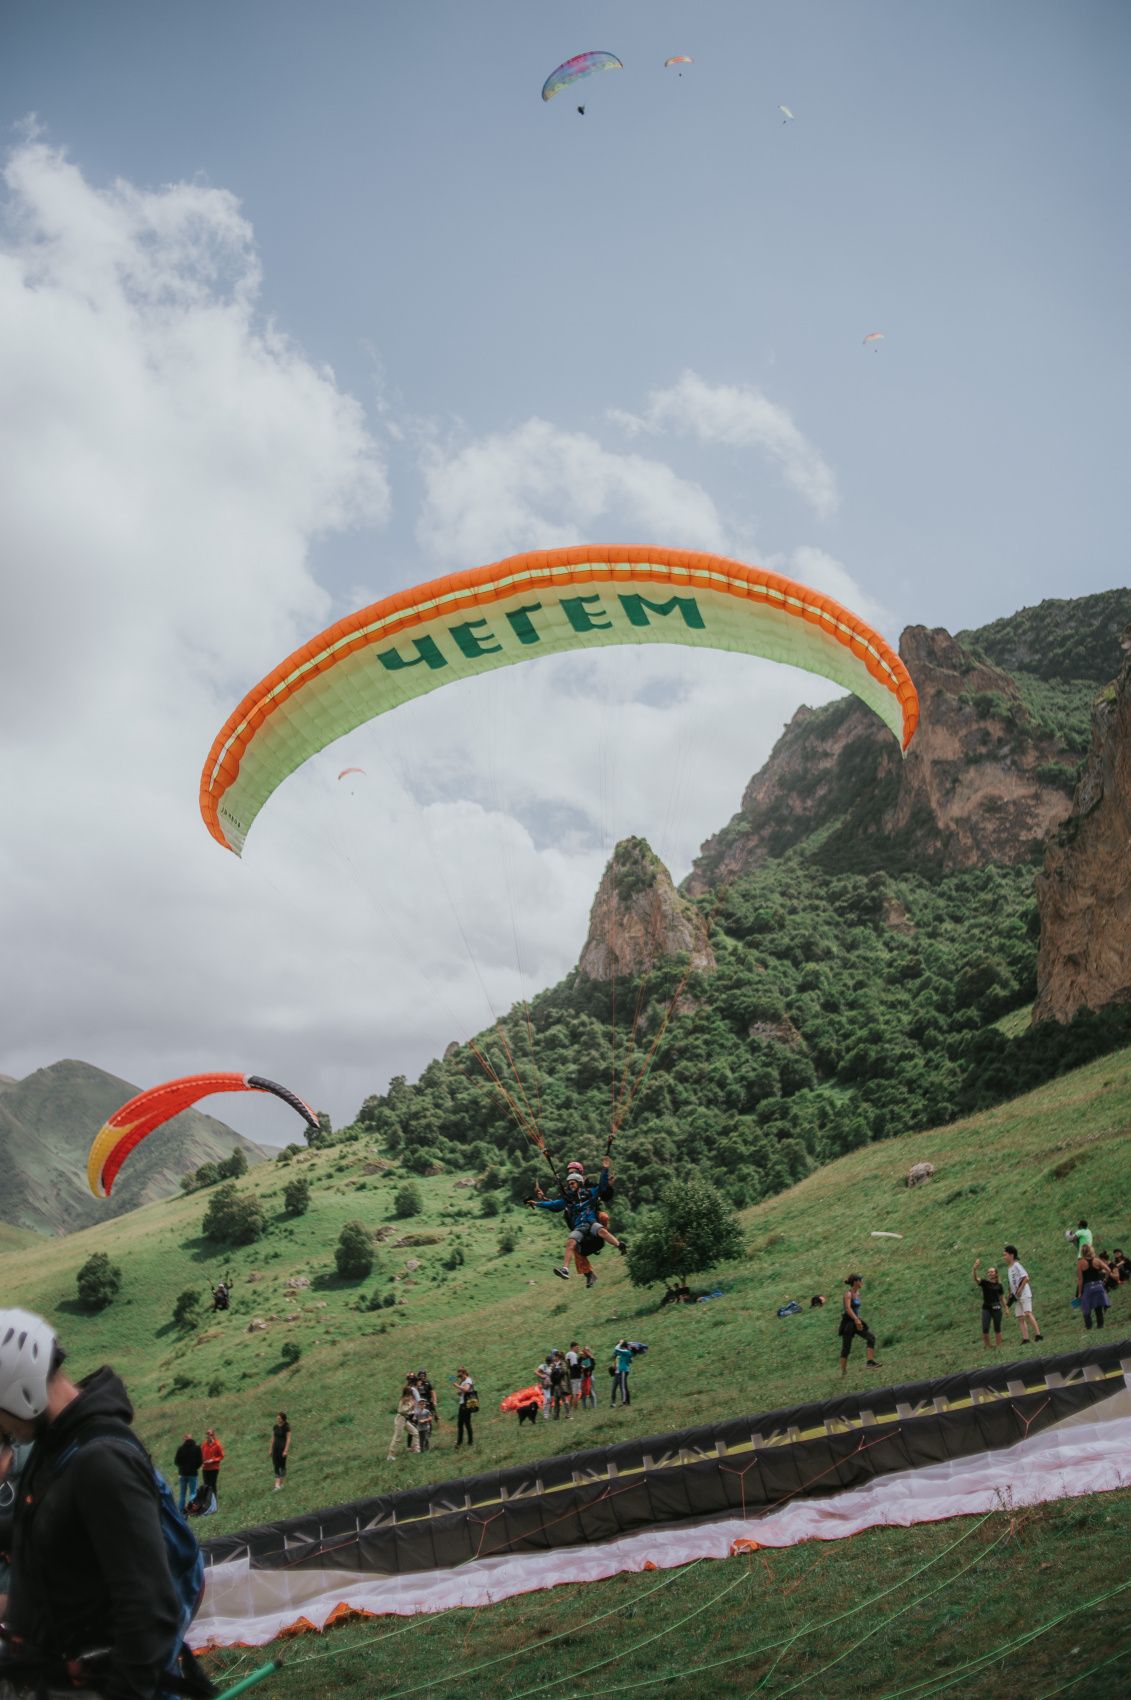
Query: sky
[300, 306]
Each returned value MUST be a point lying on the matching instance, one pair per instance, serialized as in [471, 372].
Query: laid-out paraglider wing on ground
[131, 1124]
[515, 610]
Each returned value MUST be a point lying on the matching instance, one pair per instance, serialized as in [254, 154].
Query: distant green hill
[47, 1123]
[447, 1295]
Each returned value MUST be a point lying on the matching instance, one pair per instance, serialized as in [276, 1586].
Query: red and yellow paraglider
[131, 1124]
[516, 610]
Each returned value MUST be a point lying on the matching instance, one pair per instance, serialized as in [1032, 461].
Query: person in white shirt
[573, 1364]
[1021, 1296]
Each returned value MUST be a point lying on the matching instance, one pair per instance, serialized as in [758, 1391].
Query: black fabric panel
[748, 1464]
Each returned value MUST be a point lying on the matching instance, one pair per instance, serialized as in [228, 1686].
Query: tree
[290, 1351]
[408, 1201]
[692, 1229]
[324, 1124]
[233, 1218]
[186, 1311]
[98, 1281]
[232, 1167]
[296, 1197]
[353, 1253]
[489, 1206]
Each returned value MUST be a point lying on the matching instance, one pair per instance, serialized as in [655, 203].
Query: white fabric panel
[250, 1607]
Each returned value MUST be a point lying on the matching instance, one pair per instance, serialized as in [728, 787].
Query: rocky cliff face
[982, 782]
[1084, 893]
[639, 919]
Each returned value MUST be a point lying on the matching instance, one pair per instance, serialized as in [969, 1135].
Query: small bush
[183, 1383]
[215, 1387]
[507, 1243]
[296, 1197]
[98, 1281]
[233, 1218]
[353, 1253]
[408, 1201]
[489, 1206]
[290, 1351]
[454, 1258]
[186, 1311]
[389, 1301]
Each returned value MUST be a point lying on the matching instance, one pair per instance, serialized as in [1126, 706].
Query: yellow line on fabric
[767, 1443]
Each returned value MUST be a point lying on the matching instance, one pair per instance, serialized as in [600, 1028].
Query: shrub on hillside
[98, 1281]
[489, 1206]
[296, 1197]
[233, 1167]
[507, 1243]
[233, 1217]
[290, 1351]
[353, 1253]
[186, 1311]
[408, 1201]
[691, 1231]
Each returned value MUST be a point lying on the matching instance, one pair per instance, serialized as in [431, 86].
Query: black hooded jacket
[89, 1568]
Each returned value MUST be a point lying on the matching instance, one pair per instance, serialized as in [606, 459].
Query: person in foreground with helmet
[101, 1578]
[581, 1205]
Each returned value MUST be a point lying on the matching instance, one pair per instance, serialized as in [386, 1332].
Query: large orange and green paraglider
[131, 1124]
[531, 605]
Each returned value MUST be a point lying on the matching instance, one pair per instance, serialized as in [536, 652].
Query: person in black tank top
[992, 1294]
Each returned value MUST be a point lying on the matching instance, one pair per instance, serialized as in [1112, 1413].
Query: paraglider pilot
[580, 1204]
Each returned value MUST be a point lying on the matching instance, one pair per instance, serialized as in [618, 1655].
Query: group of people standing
[198, 1472]
[1097, 1275]
[566, 1378]
[416, 1412]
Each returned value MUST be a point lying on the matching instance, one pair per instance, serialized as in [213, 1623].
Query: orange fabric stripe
[478, 586]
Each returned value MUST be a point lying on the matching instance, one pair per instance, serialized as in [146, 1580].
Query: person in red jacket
[213, 1454]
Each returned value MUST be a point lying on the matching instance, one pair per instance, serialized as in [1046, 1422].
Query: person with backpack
[621, 1365]
[468, 1405]
[588, 1364]
[106, 1575]
[188, 1459]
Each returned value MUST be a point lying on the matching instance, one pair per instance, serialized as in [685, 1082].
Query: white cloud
[538, 487]
[166, 460]
[738, 416]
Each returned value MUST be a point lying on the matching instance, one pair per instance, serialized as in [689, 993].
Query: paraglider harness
[30, 1670]
[222, 1294]
[583, 1211]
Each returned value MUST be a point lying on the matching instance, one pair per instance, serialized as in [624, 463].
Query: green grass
[922, 1603]
[1019, 1172]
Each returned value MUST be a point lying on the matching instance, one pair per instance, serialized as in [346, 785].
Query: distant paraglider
[131, 1124]
[874, 337]
[787, 114]
[581, 65]
[348, 770]
[679, 59]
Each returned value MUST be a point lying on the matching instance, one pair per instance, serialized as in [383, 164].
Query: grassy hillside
[1020, 1172]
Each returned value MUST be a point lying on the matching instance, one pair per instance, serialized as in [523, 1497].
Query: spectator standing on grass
[1091, 1275]
[622, 1363]
[188, 1460]
[213, 1456]
[543, 1374]
[468, 1405]
[587, 1363]
[559, 1387]
[404, 1422]
[1021, 1296]
[992, 1294]
[573, 1364]
[852, 1323]
[280, 1449]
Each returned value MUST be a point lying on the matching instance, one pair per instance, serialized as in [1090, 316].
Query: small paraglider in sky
[786, 114]
[346, 770]
[581, 109]
[679, 59]
[874, 337]
[572, 70]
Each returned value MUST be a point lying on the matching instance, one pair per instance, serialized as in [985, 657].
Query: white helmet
[27, 1345]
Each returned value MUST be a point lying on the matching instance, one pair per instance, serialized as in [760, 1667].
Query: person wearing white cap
[90, 1566]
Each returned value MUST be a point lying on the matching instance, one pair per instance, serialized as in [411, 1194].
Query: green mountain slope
[47, 1123]
[1019, 1172]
